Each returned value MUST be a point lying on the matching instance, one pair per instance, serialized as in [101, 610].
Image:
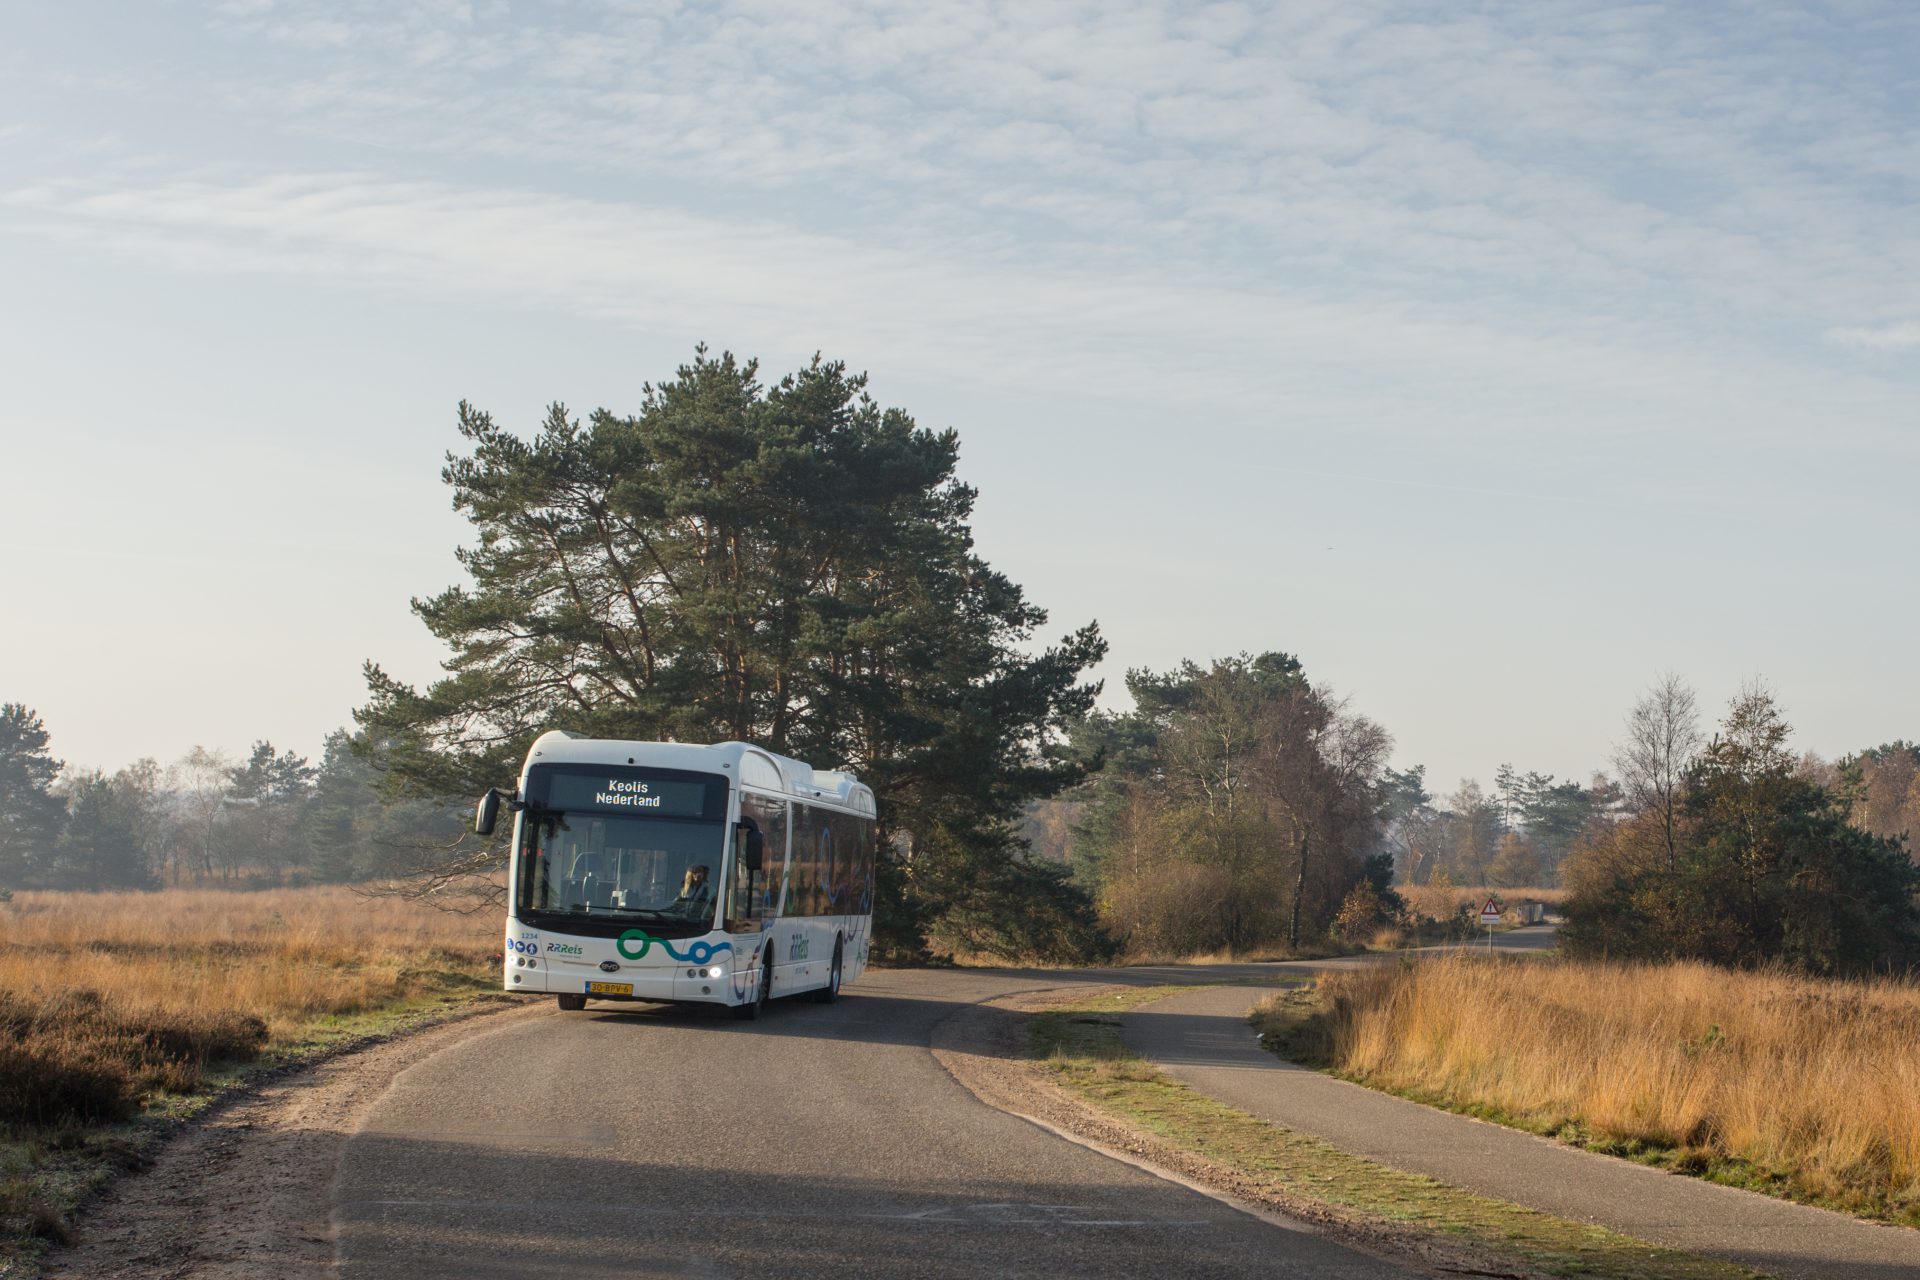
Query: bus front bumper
[668, 985]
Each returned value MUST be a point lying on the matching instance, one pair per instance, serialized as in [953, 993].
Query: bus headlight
[715, 972]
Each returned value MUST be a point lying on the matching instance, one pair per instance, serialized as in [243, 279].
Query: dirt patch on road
[245, 1192]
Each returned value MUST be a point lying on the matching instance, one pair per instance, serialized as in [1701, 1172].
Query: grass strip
[1080, 1044]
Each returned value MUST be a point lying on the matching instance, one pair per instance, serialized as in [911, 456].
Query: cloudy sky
[1494, 358]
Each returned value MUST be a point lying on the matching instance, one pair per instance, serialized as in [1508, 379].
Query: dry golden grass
[1797, 1085]
[109, 1001]
[287, 956]
[1442, 903]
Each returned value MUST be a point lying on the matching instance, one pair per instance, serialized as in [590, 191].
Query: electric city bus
[669, 871]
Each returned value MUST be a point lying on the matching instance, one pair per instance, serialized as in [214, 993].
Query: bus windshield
[645, 868]
[649, 867]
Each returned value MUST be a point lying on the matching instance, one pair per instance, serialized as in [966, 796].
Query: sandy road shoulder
[245, 1191]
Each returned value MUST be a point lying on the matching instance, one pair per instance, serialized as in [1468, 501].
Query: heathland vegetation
[117, 1005]
[1801, 1086]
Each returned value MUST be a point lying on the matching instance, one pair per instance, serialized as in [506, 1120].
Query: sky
[1492, 358]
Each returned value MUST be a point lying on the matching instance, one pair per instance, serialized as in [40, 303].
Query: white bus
[668, 871]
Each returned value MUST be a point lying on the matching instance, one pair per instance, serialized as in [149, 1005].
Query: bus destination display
[658, 796]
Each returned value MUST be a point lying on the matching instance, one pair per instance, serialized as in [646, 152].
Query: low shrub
[73, 1055]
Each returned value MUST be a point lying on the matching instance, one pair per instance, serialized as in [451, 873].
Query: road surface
[822, 1140]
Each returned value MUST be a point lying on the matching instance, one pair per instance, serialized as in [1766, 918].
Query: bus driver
[696, 895]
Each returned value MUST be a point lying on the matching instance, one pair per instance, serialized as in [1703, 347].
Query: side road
[1202, 1038]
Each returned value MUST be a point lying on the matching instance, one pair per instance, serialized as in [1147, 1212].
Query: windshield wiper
[630, 911]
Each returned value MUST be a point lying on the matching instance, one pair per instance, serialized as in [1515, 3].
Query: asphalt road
[822, 1140]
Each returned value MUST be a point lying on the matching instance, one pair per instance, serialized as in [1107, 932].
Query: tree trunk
[1299, 892]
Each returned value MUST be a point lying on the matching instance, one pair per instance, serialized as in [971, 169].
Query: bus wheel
[764, 992]
[571, 1004]
[831, 992]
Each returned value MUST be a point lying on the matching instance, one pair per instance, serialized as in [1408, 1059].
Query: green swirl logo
[698, 952]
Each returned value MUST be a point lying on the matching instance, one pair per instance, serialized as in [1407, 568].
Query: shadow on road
[546, 1210]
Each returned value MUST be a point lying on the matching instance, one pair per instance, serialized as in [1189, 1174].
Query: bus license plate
[609, 988]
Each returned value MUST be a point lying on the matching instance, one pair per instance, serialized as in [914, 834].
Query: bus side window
[743, 898]
[778, 829]
[826, 882]
[848, 830]
[867, 857]
[800, 867]
[756, 895]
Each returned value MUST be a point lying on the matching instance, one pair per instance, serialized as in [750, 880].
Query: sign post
[1490, 916]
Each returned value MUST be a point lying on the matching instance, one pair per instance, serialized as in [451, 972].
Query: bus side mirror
[756, 850]
[487, 812]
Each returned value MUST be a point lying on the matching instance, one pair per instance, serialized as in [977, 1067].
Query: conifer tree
[104, 845]
[31, 816]
[788, 565]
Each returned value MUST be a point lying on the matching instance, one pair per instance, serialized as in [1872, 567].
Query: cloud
[1407, 204]
[1898, 336]
[968, 315]
[1575, 159]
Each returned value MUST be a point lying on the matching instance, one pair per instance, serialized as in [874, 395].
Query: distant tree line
[1729, 849]
[1517, 834]
[204, 819]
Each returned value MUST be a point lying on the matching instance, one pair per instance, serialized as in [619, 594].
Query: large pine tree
[789, 565]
